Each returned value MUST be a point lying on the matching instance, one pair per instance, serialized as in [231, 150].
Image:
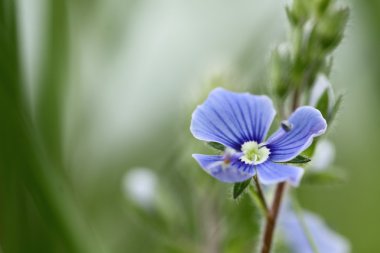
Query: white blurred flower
[324, 155]
[284, 49]
[139, 184]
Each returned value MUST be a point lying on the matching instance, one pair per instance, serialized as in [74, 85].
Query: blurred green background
[91, 91]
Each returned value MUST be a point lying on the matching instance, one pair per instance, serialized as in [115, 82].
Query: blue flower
[240, 122]
[325, 240]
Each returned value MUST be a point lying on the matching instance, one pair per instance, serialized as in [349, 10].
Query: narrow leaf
[335, 109]
[323, 104]
[240, 187]
[300, 159]
[216, 146]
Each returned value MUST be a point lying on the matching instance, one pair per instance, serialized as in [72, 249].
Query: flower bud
[329, 30]
[281, 69]
[299, 12]
[322, 6]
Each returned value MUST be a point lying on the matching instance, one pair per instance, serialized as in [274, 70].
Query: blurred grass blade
[53, 77]
[38, 213]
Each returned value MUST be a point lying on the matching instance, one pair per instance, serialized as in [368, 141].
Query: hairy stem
[272, 218]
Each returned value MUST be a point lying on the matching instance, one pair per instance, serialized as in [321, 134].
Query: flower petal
[232, 118]
[325, 239]
[272, 173]
[306, 123]
[234, 172]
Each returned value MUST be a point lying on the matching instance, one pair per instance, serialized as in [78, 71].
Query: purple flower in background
[240, 122]
[325, 240]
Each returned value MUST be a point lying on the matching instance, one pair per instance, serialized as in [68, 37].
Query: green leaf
[309, 152]
[335, 109]
[216, 145]
[240, 187]
[323, 104]
[325, 177]
[300, 159]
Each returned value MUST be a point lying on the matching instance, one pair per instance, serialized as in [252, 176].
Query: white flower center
[254, 153]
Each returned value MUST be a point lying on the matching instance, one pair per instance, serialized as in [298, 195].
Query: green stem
[261, 195]
[259, 200]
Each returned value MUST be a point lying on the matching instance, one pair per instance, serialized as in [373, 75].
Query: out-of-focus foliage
[91, 89]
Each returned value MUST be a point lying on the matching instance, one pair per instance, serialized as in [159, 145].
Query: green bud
[293, 19]
[330, 28]
[301, 11]
[281, 69]
[322, 6]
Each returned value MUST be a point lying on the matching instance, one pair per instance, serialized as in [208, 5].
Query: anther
[286, 125]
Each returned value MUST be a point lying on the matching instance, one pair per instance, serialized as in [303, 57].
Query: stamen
[254, 153]
[286, 125]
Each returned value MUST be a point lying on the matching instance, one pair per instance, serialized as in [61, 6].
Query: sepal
[240, 187]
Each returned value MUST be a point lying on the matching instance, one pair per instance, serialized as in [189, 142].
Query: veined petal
[234, 171]
[272, 173]
[305, 123]
[232, 118]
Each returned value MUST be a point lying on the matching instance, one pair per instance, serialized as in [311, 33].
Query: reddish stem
[271, 218]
